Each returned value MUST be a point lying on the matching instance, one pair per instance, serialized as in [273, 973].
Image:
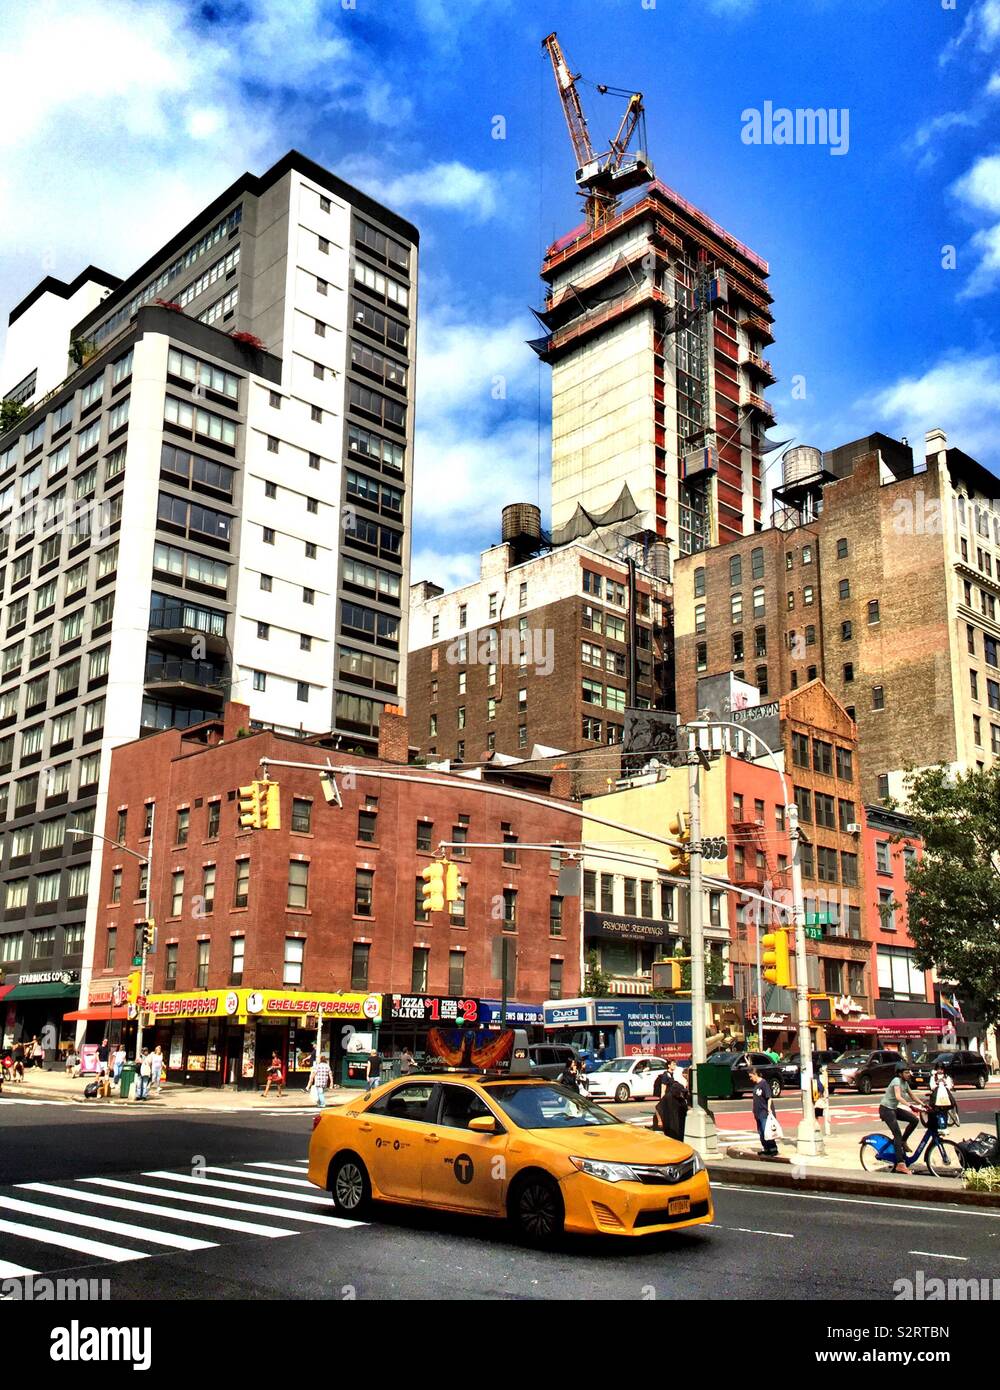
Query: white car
[626, 1078]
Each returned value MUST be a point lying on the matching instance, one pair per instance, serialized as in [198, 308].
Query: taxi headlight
[697, 1163]
[609, 1172]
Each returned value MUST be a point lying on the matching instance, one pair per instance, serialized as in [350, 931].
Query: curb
[782, 1177]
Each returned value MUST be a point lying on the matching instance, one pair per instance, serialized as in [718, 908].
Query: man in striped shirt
[320, 1080]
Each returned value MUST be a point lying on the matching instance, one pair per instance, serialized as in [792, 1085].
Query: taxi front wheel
[350, 1187]
[535, 1208]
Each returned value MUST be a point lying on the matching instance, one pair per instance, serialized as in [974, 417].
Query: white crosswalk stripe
[30, 1100]
[145, 1212]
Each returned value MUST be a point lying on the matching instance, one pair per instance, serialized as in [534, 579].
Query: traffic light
[249, 807]
[680, 859]
[433, 889]
[329, 788]
[270, 805]
[149, 935]
[452, 888]
[133, 986]
[774, 958]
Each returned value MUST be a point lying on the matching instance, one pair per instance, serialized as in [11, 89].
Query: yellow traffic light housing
[149, 935]
[433, 889]
[133, 986]
[775, 960]
[270, 805]
[249, 807]
[452, 887]
[680, 859]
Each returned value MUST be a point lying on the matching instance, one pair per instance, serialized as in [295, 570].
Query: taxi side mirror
[483, 1124]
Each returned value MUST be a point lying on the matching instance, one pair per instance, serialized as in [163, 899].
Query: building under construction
[656, 323]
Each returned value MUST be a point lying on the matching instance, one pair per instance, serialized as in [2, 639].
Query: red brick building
[255, 926]
[902, 989]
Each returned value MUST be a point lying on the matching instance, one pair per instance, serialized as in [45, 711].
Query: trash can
[714, 1082]
[128, 1076]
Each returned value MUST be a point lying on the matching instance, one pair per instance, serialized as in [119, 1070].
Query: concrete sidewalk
[56, 1085]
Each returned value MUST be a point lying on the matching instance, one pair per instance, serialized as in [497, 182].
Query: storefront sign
[517, 1014]
[197, 1004]
[49, 977]
[611, 928]
[268, 1003]
[429, 1008]
[562, 1015]
[278, 1003]
[113, 992]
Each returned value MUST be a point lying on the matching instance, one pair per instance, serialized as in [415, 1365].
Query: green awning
[53, 990]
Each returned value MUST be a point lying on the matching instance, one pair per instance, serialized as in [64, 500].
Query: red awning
[899, 1027]
[104, 1013]
[5, 990]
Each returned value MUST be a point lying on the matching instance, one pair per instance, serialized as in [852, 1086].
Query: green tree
[953, 892]
[595, 983]
[11, 414]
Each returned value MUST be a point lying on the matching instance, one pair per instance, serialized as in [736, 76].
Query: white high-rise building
[208, 498]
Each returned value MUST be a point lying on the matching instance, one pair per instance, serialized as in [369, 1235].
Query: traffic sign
[818, 919]
[814, 933]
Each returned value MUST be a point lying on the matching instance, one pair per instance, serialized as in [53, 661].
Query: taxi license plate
[679, 1206]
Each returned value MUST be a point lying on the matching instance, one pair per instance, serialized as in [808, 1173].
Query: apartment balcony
[753, 362]
[750, 400]
[184, 624]
[180, 678]
[757, 324]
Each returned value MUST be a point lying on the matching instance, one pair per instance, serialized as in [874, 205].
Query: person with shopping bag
[763, 1113]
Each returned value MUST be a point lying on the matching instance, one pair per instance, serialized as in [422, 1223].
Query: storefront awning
[5, 990]
[98, 1014]
[898, 1027]
[51, 990]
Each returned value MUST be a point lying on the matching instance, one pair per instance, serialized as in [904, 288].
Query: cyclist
[893, 1110]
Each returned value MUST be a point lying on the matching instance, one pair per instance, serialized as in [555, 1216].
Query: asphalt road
[217, 1207]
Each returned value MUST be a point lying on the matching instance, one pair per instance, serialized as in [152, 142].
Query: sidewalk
[839, 1170]
[56, 1085]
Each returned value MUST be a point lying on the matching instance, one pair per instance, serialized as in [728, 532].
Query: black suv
[549, 1059]
[864, 1071]
[789, 1066]
[964, 1068]
[739, 1064]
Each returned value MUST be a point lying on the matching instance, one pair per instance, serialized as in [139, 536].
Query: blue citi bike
[942, 1157]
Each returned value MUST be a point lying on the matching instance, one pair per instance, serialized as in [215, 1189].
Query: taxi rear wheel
[535, 1208]
[350, 1187]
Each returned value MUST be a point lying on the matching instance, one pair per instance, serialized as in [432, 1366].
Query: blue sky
[121, 118]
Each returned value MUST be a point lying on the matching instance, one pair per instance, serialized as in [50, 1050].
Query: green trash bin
[127, 1078]
[714, 1082]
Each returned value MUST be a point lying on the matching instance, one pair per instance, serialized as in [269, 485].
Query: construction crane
[600, 177]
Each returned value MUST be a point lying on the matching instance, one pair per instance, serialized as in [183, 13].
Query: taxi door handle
[431, 1139]
[365, 1128]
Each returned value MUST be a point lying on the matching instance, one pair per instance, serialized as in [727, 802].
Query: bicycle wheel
[944, 1159]
[872, 1160]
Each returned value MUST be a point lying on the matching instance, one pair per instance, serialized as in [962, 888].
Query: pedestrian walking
[373, 1071]
[407, 1062]
[275, 1075]
[37, 1054]
[943, 1102]
[18, 1055]
[672, 1104]
[144, 1073]
[320, 1081]
[893, 1111]
[118, 1060]
[156, 1068]
[570, 1075]
[763, 1113]
[104, 1053]
[821, 1098]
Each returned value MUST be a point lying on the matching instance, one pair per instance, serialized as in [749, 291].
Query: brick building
[543, 651]
[329, 904]
[881, 580]
[903, 990]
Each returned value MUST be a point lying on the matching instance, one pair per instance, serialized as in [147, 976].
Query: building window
[873, 611]
[844, 588]
[510, 909]
[360, 953]
[758, 602]
[418, 972]
[701, 656]
[208, 887]
[699, 582]
[760, 676]
[735, 571]
[735, 611]
[183, 826]
[241, 884]
[700, 622]
[878, 697]
[456, 972]
[425, 831]
[298, 883]
[555, 978]
[800, 750]
[555, 915]
[420, 913]
[110, 948]
[236, 963]
[368, 820]
[842, 548]
[882, 784]
[848, 672]
[116, 885]
[176, 892]
[301, 815]
[364, 883]
[201, 972]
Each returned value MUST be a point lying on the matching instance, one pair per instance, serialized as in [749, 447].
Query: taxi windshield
[546, 1107]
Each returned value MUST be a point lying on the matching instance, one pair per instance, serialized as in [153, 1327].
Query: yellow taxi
[510, 1146]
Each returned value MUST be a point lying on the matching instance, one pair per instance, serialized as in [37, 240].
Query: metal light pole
[700, 1132]
[146, 859]
[808, 1138]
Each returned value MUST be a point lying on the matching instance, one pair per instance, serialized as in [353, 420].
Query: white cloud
[960, 393]
[979, 190]
[451, 571]
[980, 186]
[449, 185]
[981, 29]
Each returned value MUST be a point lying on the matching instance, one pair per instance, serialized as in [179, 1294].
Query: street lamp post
[700, 1131]
[808, 1139]
[146, 859]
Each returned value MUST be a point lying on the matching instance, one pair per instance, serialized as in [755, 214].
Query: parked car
[964, 1068]
[739, 1064]
[864, 1071]
[789, 1066]
[549, 1059]
[625, 1078]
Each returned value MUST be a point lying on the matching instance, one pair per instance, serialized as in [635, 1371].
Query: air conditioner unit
[854, 828]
